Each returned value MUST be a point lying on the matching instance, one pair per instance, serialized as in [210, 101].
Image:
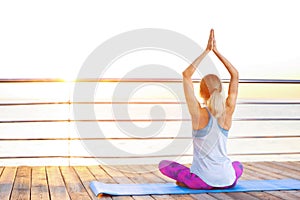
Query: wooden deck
[61, 182]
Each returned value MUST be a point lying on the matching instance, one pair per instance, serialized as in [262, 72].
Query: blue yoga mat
[172, 188]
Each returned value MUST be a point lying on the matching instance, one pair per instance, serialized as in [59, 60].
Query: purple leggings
[183, 175]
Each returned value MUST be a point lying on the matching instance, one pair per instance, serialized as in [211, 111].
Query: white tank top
[210, 160]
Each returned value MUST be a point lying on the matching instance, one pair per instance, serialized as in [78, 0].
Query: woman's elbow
[186, 74]
[235, 75]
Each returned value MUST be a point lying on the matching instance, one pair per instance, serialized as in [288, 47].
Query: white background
[53, 38]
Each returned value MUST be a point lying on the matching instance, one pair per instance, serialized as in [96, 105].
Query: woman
[211, 168]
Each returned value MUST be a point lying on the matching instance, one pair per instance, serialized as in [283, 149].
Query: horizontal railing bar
[142, 102]
[97, 102]
[143, 120]
[266, 119]
[264, 154]
[141, 138]
[31, 157]
[168, 80]
[268, 102]
[142, 156]
[270, 81]
[32, 80]
[263, 137]
[99, 120]
[33, 103]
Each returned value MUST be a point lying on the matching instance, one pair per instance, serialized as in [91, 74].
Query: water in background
[260, 131]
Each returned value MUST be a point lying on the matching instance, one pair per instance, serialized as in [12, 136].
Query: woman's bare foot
[180, 184]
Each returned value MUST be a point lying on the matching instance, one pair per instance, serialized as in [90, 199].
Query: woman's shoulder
[202, 120]
[226, 121]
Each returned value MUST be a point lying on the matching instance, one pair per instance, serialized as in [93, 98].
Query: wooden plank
[86, 178]
[256, 175]
[73, 184]
[149, 177]
[242, 195]
[279, 170]
[250, 175]
[293, 171]
[254, 172]
[39, 185]
[104, 177]
[21, 188]
[290, 165]
[56, 184]
[6, 182]
[134, 178]
[99, 175]
[297, 163]
[117, 174]
[268, 173]
[140, 175]
[261, 175]
[286, 164]
[20, 183]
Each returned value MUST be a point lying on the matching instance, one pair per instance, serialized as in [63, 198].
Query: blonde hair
[211, 92]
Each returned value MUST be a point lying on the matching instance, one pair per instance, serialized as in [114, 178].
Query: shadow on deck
[63, 182]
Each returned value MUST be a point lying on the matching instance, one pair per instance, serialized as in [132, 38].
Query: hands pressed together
[211, 45]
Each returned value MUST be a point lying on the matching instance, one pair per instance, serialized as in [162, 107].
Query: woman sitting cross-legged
[211, 167]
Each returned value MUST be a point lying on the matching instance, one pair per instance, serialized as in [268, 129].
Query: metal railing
[69, 103]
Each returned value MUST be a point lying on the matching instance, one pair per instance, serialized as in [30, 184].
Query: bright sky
[53, 38]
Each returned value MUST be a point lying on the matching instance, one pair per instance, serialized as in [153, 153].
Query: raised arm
[191, 100]
[234, 80]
